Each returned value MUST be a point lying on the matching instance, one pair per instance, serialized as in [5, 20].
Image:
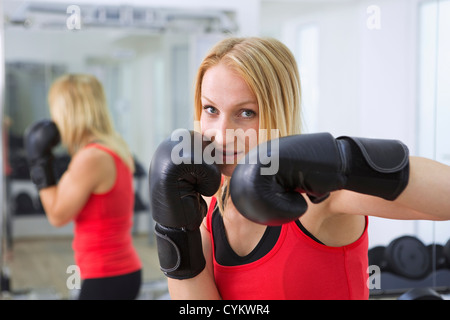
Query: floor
[38, 269]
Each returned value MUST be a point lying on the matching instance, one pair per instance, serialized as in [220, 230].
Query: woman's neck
[84, 142]
[238, 228]
[234, 217]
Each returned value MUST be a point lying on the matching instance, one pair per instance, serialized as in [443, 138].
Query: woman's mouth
[230, 156]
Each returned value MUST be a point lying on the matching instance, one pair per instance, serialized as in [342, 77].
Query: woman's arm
[428, 189]
[201, 287]
[426, 196]
[88, 170]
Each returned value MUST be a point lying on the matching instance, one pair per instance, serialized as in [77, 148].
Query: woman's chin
[227, 169]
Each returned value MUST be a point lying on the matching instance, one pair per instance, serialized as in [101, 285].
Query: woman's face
[229, 115]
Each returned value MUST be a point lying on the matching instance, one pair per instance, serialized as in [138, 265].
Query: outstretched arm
[362, 176]
[426, 197]
[428, 190]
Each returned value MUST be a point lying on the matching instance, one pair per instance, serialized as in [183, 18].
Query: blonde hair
[79, 108]
[270, 70]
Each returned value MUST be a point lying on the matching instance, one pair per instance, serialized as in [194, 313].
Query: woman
[96, 191]
[252, 84]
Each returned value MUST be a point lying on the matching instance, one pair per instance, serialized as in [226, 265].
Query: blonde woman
[261, 239]
[96, 192]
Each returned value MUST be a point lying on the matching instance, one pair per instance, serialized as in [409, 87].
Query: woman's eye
[210, 109]
[248, 114]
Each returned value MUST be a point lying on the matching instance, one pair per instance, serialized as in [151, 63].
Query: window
[434, 81]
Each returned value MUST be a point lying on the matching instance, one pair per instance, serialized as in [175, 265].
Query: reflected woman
[96, 192]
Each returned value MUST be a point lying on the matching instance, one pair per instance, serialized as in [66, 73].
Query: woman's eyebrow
[209, 100]
[236, 105]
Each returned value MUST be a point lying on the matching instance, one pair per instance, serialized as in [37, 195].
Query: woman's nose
[221, 132]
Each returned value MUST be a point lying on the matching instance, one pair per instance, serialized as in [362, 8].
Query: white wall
[366, 76]
[388, 72]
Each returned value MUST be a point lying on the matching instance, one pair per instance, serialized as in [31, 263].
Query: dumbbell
[377, 257]
[405, 256]
[23, 203]
[408, 257]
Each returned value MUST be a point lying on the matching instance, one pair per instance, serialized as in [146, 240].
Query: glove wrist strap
[180, 252]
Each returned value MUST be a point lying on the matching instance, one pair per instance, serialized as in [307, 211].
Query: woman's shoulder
[92, 157]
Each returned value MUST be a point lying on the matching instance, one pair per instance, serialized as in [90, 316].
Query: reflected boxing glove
[178, 177]
[39, 139]
[315, 164]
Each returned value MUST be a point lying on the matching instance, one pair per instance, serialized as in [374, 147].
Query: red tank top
[297, 268]
[102, 236]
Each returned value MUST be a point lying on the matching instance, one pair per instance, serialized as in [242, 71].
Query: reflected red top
[102, 237]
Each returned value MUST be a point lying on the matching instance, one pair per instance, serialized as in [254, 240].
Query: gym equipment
[19, 166]
[407, 256]
[407, 263]
[437, 256]
[377, 257]
[420, 294]
[23, 204]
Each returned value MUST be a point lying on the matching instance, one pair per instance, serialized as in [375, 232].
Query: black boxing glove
[178, 177]
[39, 139]
[315, 164]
